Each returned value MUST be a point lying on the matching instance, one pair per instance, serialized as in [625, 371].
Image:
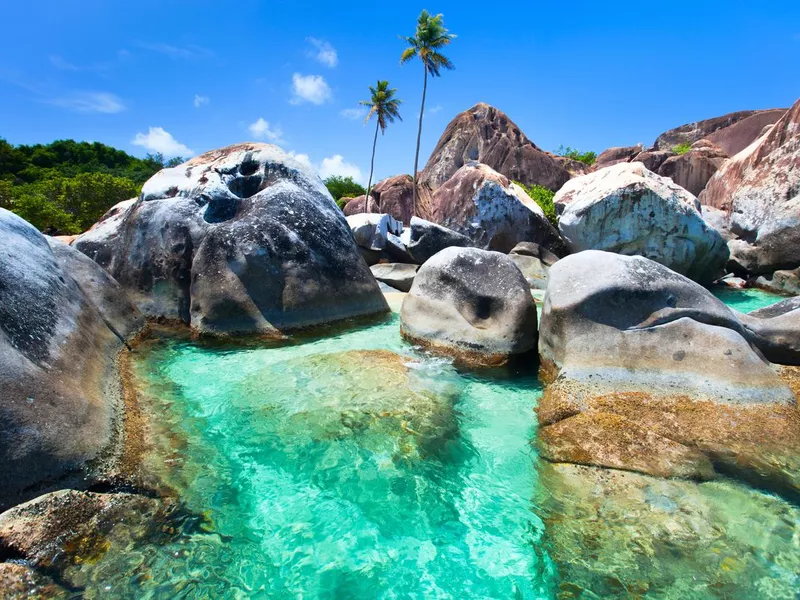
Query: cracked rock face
[492, 211]
[759, 189]
[649, 372]
[629, 210]
[239, 240]
[474, 305]
[62, 322]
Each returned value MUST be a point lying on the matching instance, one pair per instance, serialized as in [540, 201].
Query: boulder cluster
[646, 370]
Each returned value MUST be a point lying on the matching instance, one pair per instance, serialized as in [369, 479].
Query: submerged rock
[495, 213]
[20, 582]
[616, 534]
[471, 304]
[62, 322]
[629, 210]
[371, 397]
[243, 239]
[649, 359]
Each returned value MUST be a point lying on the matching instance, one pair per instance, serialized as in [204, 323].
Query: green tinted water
[320, 472]
[745, 300]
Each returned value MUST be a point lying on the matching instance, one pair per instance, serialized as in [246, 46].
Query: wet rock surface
[474, 305]
[637, 348]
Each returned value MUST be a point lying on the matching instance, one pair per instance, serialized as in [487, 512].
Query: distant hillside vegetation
[65, 186]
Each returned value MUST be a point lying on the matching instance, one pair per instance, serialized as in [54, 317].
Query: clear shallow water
[313, 488]
[745, 300]
[326, 468]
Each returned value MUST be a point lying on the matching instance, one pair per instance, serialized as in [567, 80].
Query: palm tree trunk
[419, 136]
[372, 163]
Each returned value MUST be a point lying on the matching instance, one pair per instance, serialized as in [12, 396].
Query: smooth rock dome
[244, 239]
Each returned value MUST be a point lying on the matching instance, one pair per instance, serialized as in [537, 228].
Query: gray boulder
[629, 210]
[62, 322]
[397, 275]
[781, 282]
[423, 239]
[471, 304]
[649, 372]
[775, 330]
[243, 239]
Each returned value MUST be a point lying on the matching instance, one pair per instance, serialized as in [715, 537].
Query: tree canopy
[66, 186]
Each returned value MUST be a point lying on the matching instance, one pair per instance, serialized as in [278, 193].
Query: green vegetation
[587, 158]
[682, 148]
[65, 186]
[386, 109]
[431, 36]
[343, 187]
[544, 198]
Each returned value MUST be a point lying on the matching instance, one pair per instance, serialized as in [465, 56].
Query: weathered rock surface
[775, 330]
[760, 189]
[532, 268]
[371, 230]
[645, 353]
[393, 196]
[472, 304]
[653, 159]
[629, 210]
[20, 582]
[535, 250]
[52, 529]
[732, 132]
[423, 239]
[397, 275]
[492, 211]
[62, 322]
[718, 219]
[693, 169]
[359, 204]
[781, 282]
[616, 155]
[243, 239]
[486, 134]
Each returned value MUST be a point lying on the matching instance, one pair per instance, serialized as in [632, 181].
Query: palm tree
[430, 38]
[385, 107]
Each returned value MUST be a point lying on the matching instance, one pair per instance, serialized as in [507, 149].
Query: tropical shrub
[682, 148]
[343, 187]
[587, 158]
[544, 198]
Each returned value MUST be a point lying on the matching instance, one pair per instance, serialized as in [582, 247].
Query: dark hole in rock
[248, 167]
[221, 209]
[483, 307]
[8, 554]
[171, 192]
[244, 187]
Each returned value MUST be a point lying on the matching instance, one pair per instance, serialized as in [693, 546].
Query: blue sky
[185, 77]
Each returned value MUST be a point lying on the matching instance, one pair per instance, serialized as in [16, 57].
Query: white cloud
[261, 129]
[200, 100]
[353, 113]
[60, 63]
[434, 109]
[159, 140]
[190, 51]
[310, 88]
[323, 52]
[302, 159]
[90, 102]
[336, 165]
[333, 165]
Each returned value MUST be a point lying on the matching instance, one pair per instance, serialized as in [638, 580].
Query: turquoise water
[355, 466]
[313, 487]
[745, 300]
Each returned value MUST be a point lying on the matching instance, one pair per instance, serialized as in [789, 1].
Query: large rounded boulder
[759, 189]
[62, 322]
[629, 210]
[474, 305]
[492, 211]
[649, 372]
[243, 239]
